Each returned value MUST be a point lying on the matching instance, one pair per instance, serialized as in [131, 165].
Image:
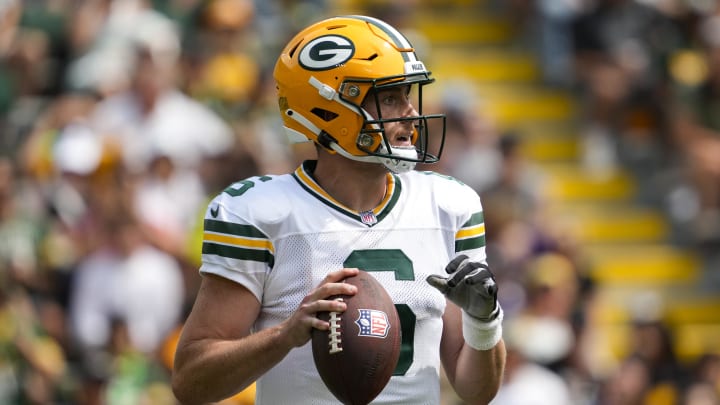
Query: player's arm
[218, 356]
[472, 349]
[475, 375]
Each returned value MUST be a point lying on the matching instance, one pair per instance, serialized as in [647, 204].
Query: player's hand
[300, 324]
[471, 286]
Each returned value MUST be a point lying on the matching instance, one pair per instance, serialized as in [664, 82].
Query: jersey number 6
[392, 260]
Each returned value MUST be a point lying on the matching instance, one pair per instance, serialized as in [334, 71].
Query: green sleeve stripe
[233, 252]
[470, 243]
[230, 228]
[476, 219]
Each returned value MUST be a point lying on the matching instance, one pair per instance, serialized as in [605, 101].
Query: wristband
[482, 335]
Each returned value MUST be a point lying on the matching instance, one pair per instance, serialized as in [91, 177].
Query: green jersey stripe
[239, 253]
[476, 219]
[470, 243]
[230, 228]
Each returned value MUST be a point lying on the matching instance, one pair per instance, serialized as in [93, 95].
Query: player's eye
[389, 100]
[395, 96]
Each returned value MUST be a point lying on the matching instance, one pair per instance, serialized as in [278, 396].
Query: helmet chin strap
[399, 165]
[394, 165]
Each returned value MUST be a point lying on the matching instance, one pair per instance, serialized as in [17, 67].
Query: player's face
[394, 102]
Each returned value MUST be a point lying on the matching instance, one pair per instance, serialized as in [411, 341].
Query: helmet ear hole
[291, 53]
[324, 114]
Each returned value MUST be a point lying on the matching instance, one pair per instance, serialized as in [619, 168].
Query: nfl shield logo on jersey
[368, 218]
[372, 323]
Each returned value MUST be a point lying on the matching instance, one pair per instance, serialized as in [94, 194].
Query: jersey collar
[304, 177]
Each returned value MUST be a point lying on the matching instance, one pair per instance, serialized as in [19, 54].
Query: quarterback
[276, 247]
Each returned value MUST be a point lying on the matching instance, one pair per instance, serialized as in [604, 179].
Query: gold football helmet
[327, 70]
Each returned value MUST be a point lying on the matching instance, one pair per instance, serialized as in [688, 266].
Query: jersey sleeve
[463, 206]
[470, 237]
[234, 244]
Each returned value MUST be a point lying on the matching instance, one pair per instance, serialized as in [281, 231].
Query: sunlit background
[591, 129]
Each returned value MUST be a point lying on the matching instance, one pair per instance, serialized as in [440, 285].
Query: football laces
[334, 333]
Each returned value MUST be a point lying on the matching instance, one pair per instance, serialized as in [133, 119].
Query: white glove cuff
[482, 335]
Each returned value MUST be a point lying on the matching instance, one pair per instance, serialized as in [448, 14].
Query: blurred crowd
[120, 119]
[647, 73]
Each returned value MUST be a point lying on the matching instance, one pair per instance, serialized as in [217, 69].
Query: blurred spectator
[704, 386]
[20, 234]
[134, 378]
[696, 138]
[222, 57]
[650, 373]
[165, 137]
[125, 279]
[643, 144]
[527, 382]
[628, 385]
[167, 200]
[278, 20]
[701, 394]
[104, 35]
[27, 72]
[10, 12]
[470, 153]
[551, 286]
[34, 364]
[516, 192]
[620, 49]
[152, 117]
[554, 20]
[33, 356]
[36, 155]
[514, 203]
[653, 342]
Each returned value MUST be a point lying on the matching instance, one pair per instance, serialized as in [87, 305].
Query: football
[358, 355]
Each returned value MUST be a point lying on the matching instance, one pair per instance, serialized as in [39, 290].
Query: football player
[276, 247]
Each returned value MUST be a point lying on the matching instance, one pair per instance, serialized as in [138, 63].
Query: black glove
[471, 286]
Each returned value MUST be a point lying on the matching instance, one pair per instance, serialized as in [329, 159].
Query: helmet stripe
[397, 37]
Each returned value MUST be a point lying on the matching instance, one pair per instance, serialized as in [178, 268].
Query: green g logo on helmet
[326, 52]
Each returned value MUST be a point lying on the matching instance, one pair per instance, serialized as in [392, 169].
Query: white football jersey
[280, 235]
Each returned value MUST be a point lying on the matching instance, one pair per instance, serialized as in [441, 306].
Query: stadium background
[588, 126]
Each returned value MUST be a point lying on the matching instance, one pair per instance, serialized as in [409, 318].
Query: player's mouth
[402, 140]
